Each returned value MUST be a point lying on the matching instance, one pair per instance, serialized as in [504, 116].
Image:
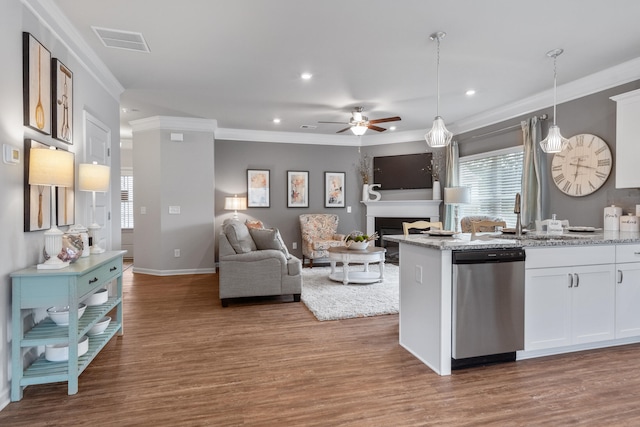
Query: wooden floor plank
[184, 360]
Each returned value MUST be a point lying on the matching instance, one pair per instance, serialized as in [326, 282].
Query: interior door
[97, 137]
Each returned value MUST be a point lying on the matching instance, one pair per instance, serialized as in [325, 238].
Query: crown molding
[287, 137]
[174, 123]
[606, 79]
[52, 18]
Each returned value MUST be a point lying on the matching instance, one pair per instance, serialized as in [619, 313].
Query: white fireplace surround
[427, 209]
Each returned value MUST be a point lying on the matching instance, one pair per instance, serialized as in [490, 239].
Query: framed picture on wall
[62, 107]
[334, 187]
[37, 198]
[258, 186]
[297, 189]
[36, 80]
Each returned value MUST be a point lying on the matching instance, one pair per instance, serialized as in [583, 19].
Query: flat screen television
[403, 172]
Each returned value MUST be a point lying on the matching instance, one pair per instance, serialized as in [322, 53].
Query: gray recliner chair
[256, 262]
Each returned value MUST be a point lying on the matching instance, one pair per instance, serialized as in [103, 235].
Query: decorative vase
[436, 190]
[365, 192]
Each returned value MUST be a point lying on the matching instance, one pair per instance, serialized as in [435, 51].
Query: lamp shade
[50, 167]
[359, 130]
[457, 195]
[235, 203]
[93, 177]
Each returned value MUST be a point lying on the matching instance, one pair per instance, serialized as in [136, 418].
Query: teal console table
[33, 288]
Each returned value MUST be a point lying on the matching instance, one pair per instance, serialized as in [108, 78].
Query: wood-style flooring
[186, 361]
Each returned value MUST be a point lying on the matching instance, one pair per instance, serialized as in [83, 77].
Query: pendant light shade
[438, 136]
[554, 142]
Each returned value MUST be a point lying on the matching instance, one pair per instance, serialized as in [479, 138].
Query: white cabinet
[627, 291]
[627, 139]
[569, 305]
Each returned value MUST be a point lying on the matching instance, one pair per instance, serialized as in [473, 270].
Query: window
[126, 201]
[495, 178]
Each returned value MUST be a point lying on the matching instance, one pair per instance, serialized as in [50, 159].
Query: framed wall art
[334, 186]
[297, 189]
[36, 79]
[258, 186]
[37, 198]
[62, 120]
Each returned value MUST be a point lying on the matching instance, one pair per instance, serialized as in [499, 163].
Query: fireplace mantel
[427, 209]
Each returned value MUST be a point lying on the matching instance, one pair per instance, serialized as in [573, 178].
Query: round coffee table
[346, 256]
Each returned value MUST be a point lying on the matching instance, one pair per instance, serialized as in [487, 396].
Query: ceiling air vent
[308, 127]
[119, 39]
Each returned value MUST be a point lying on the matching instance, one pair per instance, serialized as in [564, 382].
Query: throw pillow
[269, 238]
[254, 224]
[238, 235]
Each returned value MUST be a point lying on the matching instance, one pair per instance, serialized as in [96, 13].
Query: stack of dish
[60, 352]
[99, 297]
[60, 315]
[100, 327]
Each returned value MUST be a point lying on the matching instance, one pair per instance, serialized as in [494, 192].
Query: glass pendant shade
[438, 136]
[554, 142]
[358, 130]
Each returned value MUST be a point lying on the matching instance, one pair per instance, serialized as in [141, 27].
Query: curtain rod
[542, 117]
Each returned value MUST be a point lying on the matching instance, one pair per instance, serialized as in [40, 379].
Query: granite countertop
[464, 241]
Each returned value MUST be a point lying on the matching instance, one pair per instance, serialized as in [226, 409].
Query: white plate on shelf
[513, 231]
[446, 233]
[581, 229]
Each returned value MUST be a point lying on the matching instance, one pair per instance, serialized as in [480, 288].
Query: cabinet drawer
[568, 256]
[628, 253]
[98, 277]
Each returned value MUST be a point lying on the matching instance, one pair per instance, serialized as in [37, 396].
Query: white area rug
[329, 300]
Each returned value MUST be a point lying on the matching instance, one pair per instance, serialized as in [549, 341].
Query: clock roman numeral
[601, 175]
[556, 168]
[558, 178]
[604, 162]
[567, 186]
[580, 141]
[593, 187]
[593, 138]
[569, 147]
[600, 150]
[578, 190]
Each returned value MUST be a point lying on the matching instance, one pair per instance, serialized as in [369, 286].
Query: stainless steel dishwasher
[487, 306]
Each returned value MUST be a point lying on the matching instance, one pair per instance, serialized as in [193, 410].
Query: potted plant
[358, 240]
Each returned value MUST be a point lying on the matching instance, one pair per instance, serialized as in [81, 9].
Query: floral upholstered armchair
[319, 233]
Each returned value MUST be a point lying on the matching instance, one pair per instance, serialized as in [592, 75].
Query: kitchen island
[559, 316]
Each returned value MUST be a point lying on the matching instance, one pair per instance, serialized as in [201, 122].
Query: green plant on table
[359, 236]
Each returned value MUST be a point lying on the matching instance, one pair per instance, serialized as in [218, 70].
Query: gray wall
[19, 249]
[592, 114]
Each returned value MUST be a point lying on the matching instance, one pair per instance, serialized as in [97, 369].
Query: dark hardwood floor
[186, 361]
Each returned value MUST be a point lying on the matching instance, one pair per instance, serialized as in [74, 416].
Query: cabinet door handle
[94, 280]
[570, 280]
[113, 269]
[620, 276]
[577, 279]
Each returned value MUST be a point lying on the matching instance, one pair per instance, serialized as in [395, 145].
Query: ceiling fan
[359, 123]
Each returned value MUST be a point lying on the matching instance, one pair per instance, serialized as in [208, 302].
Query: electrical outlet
[418, 273]
[176, 253]
[348, 209]
[294, 245]
[143, 210]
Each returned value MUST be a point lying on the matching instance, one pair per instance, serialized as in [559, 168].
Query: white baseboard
[154, 272]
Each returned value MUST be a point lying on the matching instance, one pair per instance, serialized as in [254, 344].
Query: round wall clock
[582, 167]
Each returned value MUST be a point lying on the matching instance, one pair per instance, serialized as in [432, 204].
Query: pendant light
[438, 136]
[554, 142]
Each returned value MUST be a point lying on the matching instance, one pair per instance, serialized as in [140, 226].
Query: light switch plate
[174, 210]
[10, 154]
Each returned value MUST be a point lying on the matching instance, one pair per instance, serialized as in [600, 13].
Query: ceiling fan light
[438, 136]
[358, 130]
[554, 142]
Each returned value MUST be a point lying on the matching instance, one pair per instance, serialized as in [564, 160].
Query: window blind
[126, 201]
[494, 178]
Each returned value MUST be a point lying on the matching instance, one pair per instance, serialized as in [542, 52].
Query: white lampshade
[93, 177]
[457, 195]
[358, 130]
[50, 167]
[235, 203]
[554, 142]
[438, 136]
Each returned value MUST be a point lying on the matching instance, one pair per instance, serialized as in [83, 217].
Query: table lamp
[51, 168]
[456, 196]
[235, 204]
[93, 177]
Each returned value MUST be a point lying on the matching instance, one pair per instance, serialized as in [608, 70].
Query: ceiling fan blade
[341, 123]
[376, 128]
[388, 119]
[342, 130]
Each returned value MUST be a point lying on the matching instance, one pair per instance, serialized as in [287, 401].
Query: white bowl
[60, 315]
[100, 327]
[98, 297]
[358, 246]
[60, 352]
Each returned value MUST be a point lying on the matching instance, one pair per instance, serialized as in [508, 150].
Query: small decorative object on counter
[436, 191]
[84, 234]
[373, 194]
[612, 216]
[630, 223]
[359, 241]
[554, 226]
[72, 248]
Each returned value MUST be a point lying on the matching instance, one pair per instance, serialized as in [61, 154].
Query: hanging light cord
[438, 77]
[555, 87]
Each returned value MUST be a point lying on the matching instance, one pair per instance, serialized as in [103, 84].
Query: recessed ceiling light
[306, 76]
[276, 120]
[470, 92]
[392, 128]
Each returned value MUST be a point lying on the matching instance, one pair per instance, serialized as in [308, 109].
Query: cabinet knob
[113, 269]
[94, 280]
